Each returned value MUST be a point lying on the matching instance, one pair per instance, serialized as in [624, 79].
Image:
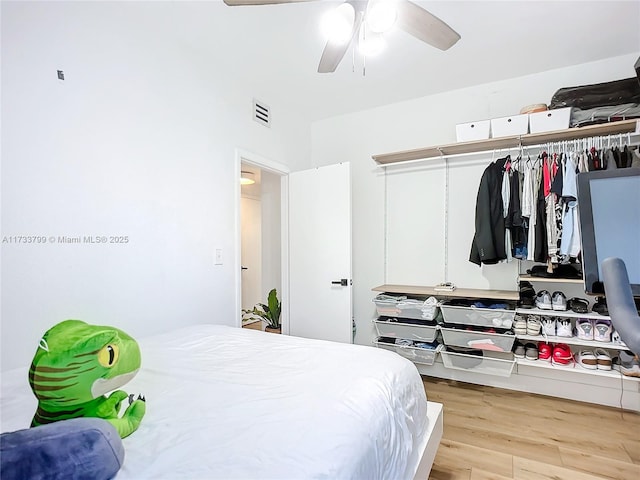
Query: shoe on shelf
[603, 358]
[584, 329]
[615, 338]
[543, 300]
[578, 305]
[544, 351]
[533, 325]
[548, 326]
[527, 295]
[561, 355]
[600, 306]
[587, 359]
[559, 301]
[531, 351]
[602, 331]
[563, 327]
[629, 364]
[518, 350]
[520, 325]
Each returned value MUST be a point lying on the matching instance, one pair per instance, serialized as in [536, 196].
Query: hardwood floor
[491, 433]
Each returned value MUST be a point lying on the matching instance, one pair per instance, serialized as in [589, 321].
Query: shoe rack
[503, 369]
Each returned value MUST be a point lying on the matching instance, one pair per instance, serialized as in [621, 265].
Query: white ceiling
[273, 51]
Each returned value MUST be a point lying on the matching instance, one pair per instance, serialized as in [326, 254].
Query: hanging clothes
[488, 241]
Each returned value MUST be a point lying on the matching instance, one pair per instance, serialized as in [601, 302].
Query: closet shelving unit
[599, 386]
[517, 141]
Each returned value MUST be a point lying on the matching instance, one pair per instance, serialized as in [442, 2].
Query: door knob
[343, 281]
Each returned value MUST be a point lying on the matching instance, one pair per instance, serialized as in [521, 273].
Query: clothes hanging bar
[456, 150]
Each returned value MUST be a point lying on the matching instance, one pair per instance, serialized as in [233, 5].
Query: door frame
[256, 160]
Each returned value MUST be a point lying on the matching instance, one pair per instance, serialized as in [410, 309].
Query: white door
[251, 251]
[320, 253]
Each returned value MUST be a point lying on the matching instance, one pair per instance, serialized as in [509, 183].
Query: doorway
[262, 233]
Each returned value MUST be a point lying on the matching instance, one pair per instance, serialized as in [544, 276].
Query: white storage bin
[467, 132]
[424, 356]
[550, 120]
[487, 364]
[483, 317]
[405, 308]
[419, 333]
[509, 126]
[479, 340]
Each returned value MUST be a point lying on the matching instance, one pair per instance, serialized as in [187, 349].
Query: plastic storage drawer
[479, 340]
[420, 333]
[408, 308]
[424, 356]
[482, 317]
[486, 364]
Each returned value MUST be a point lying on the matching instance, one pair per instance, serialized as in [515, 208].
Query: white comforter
[230, 403]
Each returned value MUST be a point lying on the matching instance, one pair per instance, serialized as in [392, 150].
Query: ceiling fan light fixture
[370, 43]
[337, 24]
[247, 178]
[381, 15]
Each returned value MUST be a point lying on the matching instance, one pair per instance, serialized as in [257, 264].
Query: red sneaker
[561, 354]
[544, 351]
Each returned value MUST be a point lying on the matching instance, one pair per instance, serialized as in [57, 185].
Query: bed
[235, 403]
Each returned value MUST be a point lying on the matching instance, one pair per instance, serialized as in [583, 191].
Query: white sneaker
[548, 326]
[604, 359]
[543, 300]
[588, 360]
[602, 331]
[559, 301]
[563, 327]
[520, 325]
[533, 326]
[584, 327]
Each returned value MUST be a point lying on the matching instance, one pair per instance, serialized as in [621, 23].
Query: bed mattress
[229, 403]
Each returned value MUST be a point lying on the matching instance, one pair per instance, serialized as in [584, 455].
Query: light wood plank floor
[491, 433]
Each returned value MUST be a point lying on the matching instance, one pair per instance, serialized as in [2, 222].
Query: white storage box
[424, 356]
[483, 317]
[510, 126]
[418, 333]
[487, 364]
[467, 132]
[480, 340]
[550, 120]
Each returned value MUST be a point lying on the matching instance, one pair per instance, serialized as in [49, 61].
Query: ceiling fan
[356, 17]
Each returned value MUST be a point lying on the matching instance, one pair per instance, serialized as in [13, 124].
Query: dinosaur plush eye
[108, 356]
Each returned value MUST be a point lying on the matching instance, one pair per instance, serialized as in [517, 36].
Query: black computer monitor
[609, 214]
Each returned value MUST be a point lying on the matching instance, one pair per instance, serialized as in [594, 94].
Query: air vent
[261, 113]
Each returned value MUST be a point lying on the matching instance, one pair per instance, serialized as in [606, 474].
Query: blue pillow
[79, 448]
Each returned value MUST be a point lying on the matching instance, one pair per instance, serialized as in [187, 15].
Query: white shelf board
[574, 368]
[533, 279]
[573, 341]
[560, 313]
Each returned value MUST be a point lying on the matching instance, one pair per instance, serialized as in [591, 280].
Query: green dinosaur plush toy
[75, 365]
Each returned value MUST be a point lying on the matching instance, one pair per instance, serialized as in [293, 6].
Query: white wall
[418, 123]
[139, 140]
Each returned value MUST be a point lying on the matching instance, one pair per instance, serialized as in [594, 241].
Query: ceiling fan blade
[418, 22]
[239, 3]
[333, 53]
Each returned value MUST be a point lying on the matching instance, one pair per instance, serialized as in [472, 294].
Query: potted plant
[269, 313]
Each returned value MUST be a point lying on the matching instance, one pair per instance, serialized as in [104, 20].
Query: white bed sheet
[234, 403]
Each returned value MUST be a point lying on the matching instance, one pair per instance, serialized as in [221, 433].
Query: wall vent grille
[261, 113]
